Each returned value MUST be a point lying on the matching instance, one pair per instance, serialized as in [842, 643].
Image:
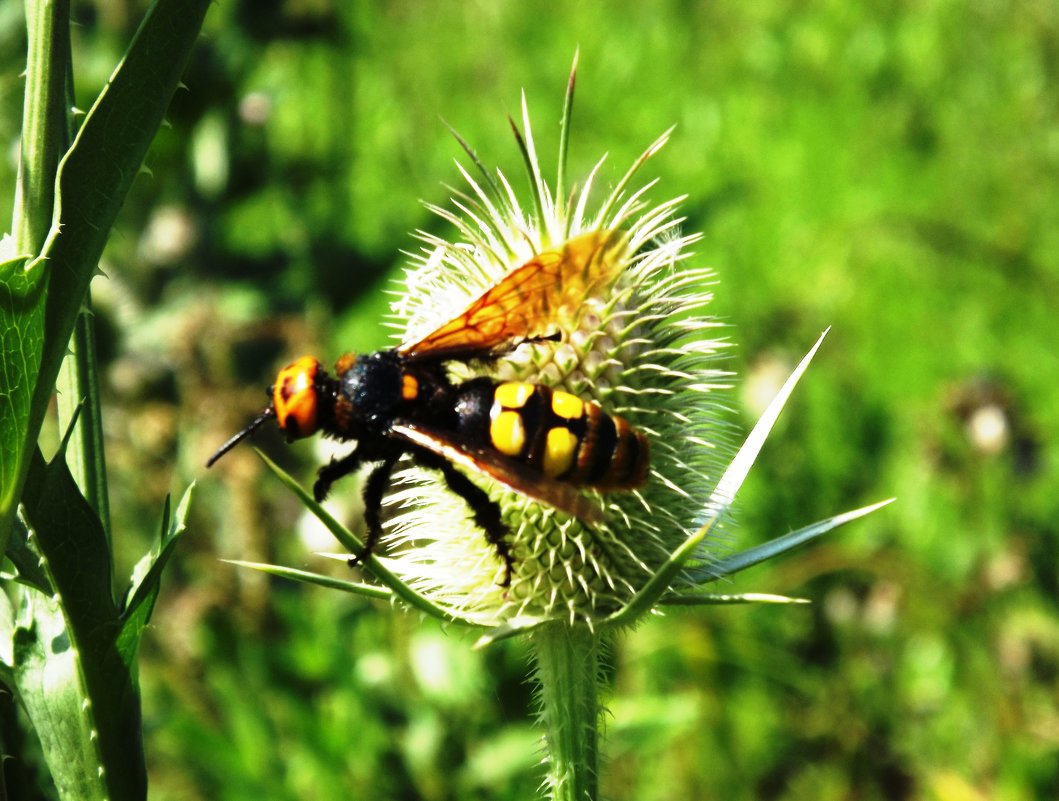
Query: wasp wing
[524, 303]
[508, 472]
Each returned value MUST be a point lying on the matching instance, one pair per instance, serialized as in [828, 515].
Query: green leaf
[147, 579]
[26, 560]
[70, 538]
[346, 538]
[45, 136]
[720, 501]
[564, 143]
[320, 580]
[7, 638]
[94, 178]
[22, 297]
[533, 170]
[653, 590]
[508, 629]
[106, 155]
[714, 599]
[77, 393]
[724, 495]
[75, 557]
[74, 662]
[52, 689]
[780, 545]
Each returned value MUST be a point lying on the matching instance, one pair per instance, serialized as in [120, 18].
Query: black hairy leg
[374, 489]
[333, 471]
[486, 513]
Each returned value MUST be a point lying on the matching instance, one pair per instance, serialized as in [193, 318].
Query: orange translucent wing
[524, 303]
[508, 472]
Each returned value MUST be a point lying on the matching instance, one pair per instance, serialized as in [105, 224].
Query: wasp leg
[515, 344]
[486, 513]
[374, 489]
[334, 470]
[555, 336]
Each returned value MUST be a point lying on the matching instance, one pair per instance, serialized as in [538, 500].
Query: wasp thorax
[374, 385]
[296, 398]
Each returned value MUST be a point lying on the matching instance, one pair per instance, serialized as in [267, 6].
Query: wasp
[544, 443]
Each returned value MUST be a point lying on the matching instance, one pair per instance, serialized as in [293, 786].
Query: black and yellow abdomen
[566, 438]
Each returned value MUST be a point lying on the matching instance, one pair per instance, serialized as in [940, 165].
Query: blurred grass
[888, 169]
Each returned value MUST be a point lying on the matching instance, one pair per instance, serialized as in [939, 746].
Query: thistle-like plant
[641, 343]
[70, 627]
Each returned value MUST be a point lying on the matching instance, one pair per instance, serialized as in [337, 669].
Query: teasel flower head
[631, 331]
[637, 341]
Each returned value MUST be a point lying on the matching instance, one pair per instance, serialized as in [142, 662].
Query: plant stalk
[567, 662]
[45, 122]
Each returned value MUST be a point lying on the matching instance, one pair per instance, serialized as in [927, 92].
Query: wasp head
[294, 403]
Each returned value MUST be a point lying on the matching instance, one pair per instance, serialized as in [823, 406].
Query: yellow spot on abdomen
[513, 394]
[559, 450]
[507, 432]
[567, 406]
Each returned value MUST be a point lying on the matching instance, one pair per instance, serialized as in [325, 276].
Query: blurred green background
[888, 169]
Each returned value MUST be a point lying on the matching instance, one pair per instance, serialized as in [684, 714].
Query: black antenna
[246, 432]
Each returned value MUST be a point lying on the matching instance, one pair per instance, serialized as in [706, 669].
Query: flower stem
[567, 659]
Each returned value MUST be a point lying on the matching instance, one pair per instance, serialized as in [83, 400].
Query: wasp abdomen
[565, 437]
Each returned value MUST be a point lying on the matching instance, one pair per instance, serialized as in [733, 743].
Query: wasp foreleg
[374, 489]
[334, 470]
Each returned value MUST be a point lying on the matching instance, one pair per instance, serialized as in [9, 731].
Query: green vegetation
[888, 172]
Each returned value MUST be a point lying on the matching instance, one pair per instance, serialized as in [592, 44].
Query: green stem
[567, 660]
[45, 121]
